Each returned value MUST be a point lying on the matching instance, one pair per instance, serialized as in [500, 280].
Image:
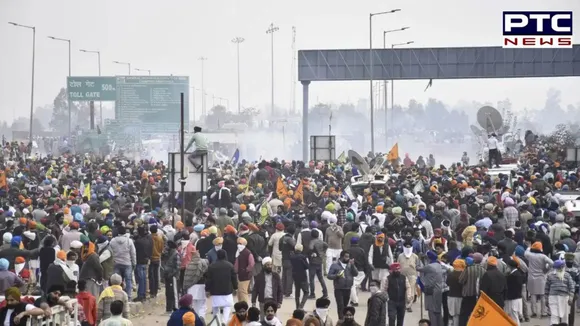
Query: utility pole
[203, 113]
[271, 30]
[237, 41]
[293, 73]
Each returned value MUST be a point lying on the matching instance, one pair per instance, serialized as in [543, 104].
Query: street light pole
[203, 112]
[392, 80]
[143, 70]
[69, 74]
[238, 40]
[271, 30]
[124, 63]
[371, 15]
[99, 62]
[32, 82]
[384, 81]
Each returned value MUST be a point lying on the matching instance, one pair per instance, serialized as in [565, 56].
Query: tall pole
[271, 30]
[182, 157]
[371, 68]
[32, 81]
[238, 40]
[99, 63]
[203, 112]
[392, 80]
[128, 64]
[69, 74]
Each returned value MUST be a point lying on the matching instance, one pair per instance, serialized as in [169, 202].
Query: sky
[168, 37]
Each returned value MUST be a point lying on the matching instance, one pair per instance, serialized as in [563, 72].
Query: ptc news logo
[537, 29]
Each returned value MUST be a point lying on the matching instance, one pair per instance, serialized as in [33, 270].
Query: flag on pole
[299, 193]
[487, 312]
[281, 189]
[393, 153]
[236, 157]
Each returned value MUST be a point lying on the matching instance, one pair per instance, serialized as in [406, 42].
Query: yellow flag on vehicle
[487, 312]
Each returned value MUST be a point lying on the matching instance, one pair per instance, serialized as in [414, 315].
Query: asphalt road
[152, 312]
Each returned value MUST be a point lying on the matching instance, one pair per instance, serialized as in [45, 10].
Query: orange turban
[188, 318]
[66, 210]
[179, 225]
[459, 264]
[19, 260]
[28, 202]
[23, 220]
[204, 233]
[538, 246]
[492, 261]
[243, 207]
[61, 255]
[32, 225]
[230, 229]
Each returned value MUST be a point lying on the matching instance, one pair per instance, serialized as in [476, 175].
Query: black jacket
[493, 283]
[299, 267]
[515, 282]
[221, 279]
[260, 287]
[143, 249]
[360, 257]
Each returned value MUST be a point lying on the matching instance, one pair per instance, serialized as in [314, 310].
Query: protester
[117, 309]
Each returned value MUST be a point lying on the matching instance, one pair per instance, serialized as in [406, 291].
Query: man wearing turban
[20, 310]
[380, 258]
[432, 279]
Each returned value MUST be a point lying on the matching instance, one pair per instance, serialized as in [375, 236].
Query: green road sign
[154, 102]
[92, 88]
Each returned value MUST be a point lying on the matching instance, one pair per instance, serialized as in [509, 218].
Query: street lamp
[384, 81]
[202, 59]
[238, 40]
[392, 80]
[69, 74]
[371, 15]
[32, 87]
[143, 70]
[128, 64]
[271, 30]
[98, 53]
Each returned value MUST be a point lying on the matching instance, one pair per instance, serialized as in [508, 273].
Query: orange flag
[487, 312]
[3, 183]
[393, 153]
[281, 189]
[299, 193]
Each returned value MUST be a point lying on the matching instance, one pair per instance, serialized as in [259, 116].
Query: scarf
[87, 250]
[65, 268]
[407, 251]
[108, 292]
[235, 321]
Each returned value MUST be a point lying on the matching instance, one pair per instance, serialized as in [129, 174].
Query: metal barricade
[59, 316]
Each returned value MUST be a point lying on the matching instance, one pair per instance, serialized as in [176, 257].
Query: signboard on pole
[153, 101]
[91, 88]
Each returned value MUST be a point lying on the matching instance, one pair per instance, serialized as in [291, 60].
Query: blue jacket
[176, 318]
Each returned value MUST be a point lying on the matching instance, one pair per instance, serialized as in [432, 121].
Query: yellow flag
[393, 153]
[87, 192]
[65, 192]
[487, 312]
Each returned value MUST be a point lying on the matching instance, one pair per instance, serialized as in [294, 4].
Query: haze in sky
[168, 37]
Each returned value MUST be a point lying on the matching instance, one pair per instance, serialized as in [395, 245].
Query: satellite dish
[359, 162]
[478, 132]
[489, 119]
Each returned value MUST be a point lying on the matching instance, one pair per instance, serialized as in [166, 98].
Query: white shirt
[492, 143]
[10, 311]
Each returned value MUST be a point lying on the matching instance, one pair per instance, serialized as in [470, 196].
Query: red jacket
[89, 304]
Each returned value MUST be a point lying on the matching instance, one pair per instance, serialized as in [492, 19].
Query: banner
[487, 312]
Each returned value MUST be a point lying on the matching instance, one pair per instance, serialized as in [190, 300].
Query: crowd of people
[105, 231]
